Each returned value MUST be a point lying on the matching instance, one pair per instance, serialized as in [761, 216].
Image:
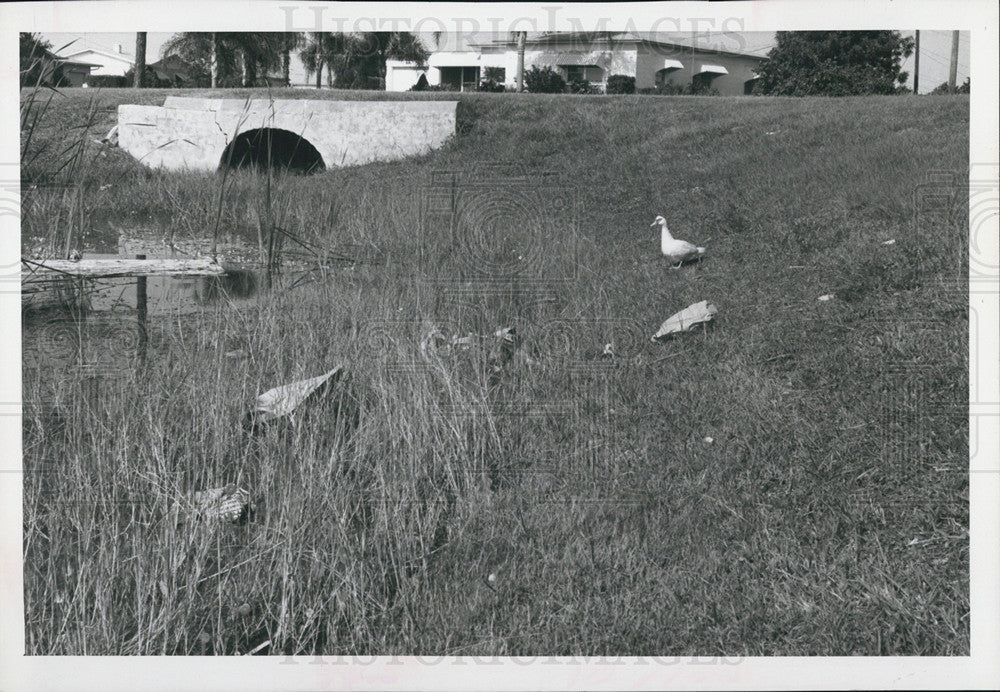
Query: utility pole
[140, 58]
[953, 69]
[916, 65]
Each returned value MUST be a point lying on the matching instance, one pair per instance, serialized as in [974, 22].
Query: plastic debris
[505, 346]
[708, 440]
[609, 351]
[692, 315]
[891, 241]
[827, 297]
[502, 353]
[283, 400]
[228, 503]
[111, 139]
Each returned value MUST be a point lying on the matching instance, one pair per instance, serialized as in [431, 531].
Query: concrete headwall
[191, 133]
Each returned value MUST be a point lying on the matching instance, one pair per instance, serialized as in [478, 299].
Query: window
[460, 78]
[579, 73]
[665, 75]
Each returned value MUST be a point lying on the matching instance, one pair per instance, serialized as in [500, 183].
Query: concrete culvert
[272, 148]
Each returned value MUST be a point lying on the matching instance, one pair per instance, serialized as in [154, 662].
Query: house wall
[402, 77]
[619, 61]
[651, 59]
[76, 75]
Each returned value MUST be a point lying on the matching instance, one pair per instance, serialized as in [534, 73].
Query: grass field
[828, 516]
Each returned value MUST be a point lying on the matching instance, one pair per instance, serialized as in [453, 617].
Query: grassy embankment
[829, 515]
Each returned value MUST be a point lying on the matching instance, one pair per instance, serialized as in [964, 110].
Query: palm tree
[140, 58]
[215, 61]
[290, 41]
[36, 59]
[359, 60]
[519, 74]
[320, 51]
[222, 55]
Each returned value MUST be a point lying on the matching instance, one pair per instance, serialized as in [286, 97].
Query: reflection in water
[237, 283]
[163, 293]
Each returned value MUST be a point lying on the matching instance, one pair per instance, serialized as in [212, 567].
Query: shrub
[491, 85]
[671, 89]
[544, 81]
[582, 86]
[621, 84]
[107, 81]
[442, 87]
[942, 88]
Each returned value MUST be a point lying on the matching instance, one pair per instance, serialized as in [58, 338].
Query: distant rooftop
[754, 45]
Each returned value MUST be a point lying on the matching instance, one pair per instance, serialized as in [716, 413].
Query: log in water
[117, 268]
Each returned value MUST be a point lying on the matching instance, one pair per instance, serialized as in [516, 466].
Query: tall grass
[828, 516]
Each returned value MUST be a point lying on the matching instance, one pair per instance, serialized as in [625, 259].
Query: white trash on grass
[283, 400]
[228, 503]
[692, 315]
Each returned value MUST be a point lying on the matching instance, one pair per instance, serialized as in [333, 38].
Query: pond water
[73, 322]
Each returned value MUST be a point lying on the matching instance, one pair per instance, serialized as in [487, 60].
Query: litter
[891, 241]
[283, 400]
[503, 350]
[111, 138]
[692, 315]
[502, 353]
[228, 503]
[825, 298]
[708, 440]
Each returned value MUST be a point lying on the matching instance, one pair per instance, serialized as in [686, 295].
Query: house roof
[124, 57]
[581, 38]
[170, 67]
[78, 63]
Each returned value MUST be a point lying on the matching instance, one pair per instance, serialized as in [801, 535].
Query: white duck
[677, 251]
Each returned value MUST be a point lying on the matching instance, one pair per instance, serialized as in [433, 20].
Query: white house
[106, 62]
[594, 57]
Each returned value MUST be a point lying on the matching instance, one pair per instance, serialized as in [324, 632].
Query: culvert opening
[272, 148]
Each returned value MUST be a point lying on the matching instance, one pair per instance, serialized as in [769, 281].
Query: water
[94, 323]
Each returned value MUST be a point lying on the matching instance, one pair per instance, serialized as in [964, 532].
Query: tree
[290, 41]
[230, 58]
[834, 63]
[942, 88]
[36, 59]
[358, 61]
[363, 64]
[214, 60]
[322, 49]
[519, 74]
[140, 58]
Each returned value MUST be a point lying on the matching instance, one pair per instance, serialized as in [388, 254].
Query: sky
[935, 48]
